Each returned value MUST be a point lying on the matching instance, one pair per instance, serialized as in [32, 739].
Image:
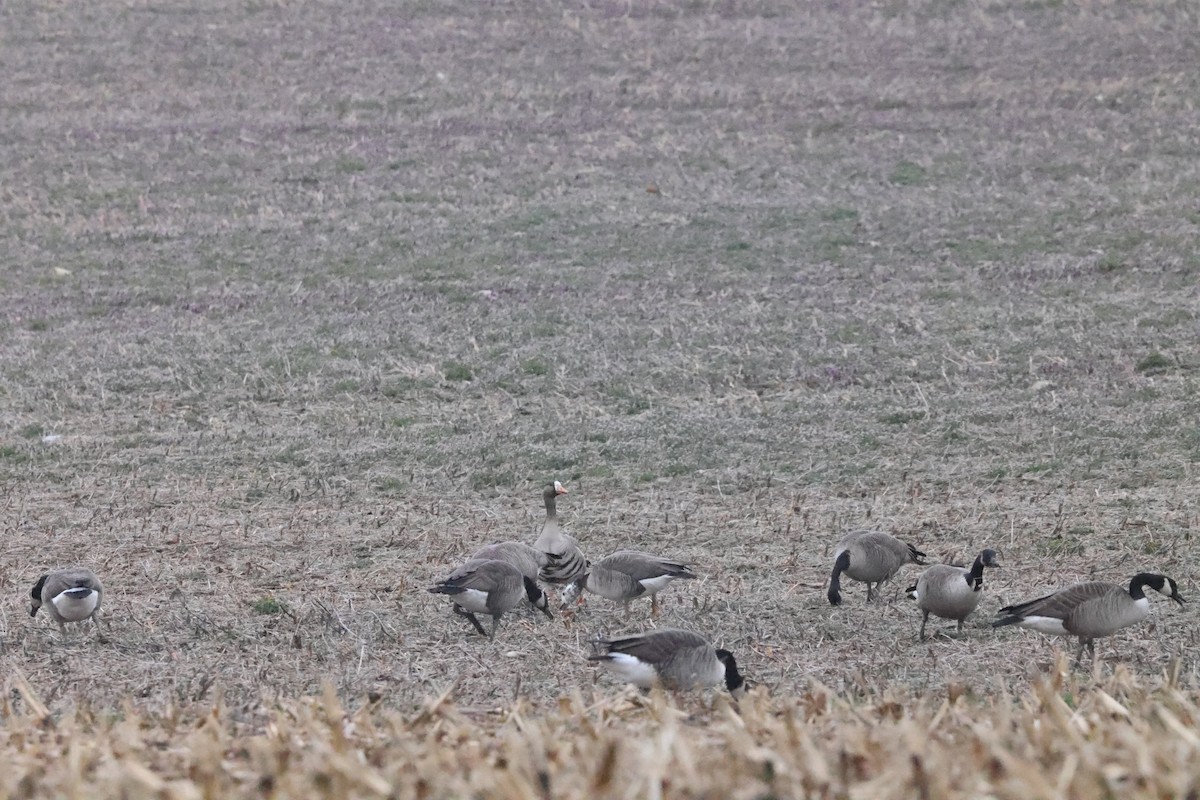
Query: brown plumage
[571, 562]
[629, 574]
[1090, 610]
[871, 557]
[68, 595]
[677, 659]
[951, 592]
[489, 587]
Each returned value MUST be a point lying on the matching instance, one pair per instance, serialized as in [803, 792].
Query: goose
[1089, 610]
[951, 592]
[674, 658]
[628, 574]
[489, 587]
[871, 557]
[571, 562]
[69, 595]
[529, 560]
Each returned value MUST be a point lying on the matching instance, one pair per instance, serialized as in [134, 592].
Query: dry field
[304, 302]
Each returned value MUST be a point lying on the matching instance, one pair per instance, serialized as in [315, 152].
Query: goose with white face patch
[628, 574]
[673, 658]
[68, 595]
[490, 587]
[1090, 610]
[870, 557]
[569, 562]
[951, 592]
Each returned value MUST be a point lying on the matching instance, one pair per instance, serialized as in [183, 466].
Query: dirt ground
[303, 303]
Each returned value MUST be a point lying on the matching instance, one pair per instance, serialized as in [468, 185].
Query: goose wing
[644, 566]
[1063, 603]
[656, 647]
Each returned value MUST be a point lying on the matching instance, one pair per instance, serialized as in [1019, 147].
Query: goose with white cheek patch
[1090, 610]
[628, 574]
[870, 557]
[951, 592]
[68, 595]
[673, 658]
[490, 587]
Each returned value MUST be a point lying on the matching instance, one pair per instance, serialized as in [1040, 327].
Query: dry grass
[303, 303]
[1057, 738]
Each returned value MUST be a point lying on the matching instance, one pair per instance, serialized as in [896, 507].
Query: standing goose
[628, 574]
[871, 557]
[951, 592]
[1089, 610]
[676, 659]
[489, 587]
[571, 562]
[69, 595]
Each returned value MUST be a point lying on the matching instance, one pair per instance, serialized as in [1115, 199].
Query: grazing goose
[489, 587]
[571, 562]
[69, 595]
[676, 659]
[871, 557]
[525, 558]
[628, 574]
[1089, 610]
[951, 592]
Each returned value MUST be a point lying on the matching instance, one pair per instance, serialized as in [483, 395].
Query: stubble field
[302, 304]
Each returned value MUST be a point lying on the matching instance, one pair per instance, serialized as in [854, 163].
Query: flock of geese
[499, 577]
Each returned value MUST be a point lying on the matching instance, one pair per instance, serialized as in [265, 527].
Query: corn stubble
[1065, 736]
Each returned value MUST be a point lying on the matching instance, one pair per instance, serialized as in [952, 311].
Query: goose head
[1165, 586]
[36, 595]
[733, 679]
[537, 598]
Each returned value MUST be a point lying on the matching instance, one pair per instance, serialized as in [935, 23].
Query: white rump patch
[472, 600]
[657, 584]
[1051, 625]
[631, 669]
[74, 609]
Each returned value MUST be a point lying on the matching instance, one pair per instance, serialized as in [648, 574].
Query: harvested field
[305, 303]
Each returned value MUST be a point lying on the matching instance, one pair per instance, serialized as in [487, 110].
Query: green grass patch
[1153, 362]
[268, 606]
[457, 371]
[908, 173]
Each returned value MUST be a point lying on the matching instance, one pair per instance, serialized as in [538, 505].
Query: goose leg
[462, 612]
[1079, 653]
[653, 605]
[960, 622]
[100, 637]
[924, 619]
[869, 595]
[495, 624]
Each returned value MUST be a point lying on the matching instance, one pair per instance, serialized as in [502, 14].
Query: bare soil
[304, 302]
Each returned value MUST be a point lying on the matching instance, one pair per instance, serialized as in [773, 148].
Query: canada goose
[571, 562]
[627, 574]
[871, 557]
[489, 587]
[525, 558]
[951, 592]
[1089, 610]
[69, 595]
[677, 659]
